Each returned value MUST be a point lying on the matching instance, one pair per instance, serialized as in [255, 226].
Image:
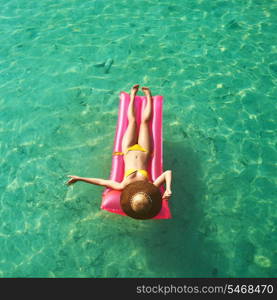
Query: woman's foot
[135, 89]
[146, 91]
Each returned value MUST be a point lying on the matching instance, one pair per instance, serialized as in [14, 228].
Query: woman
[140, 197]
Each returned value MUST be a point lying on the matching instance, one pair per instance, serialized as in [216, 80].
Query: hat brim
[141, 186]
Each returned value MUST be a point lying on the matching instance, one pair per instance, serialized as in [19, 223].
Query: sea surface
[63, 65]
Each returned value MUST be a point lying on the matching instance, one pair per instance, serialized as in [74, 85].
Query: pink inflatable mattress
[110, 197]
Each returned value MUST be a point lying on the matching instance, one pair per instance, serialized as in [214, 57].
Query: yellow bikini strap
[118, 153]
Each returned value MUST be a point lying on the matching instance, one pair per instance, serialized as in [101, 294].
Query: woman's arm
[167, 178]
[98, 181]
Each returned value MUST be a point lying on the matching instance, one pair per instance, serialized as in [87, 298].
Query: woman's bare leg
[130, 136]
[144, 138]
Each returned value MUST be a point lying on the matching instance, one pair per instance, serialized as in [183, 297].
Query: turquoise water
[63, 65]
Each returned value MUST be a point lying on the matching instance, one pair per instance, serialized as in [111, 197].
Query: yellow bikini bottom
[135, 147]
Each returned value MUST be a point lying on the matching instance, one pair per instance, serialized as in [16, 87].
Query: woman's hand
[167, 194]
[72, 180]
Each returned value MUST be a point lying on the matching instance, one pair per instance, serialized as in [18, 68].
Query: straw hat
[141, 200]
